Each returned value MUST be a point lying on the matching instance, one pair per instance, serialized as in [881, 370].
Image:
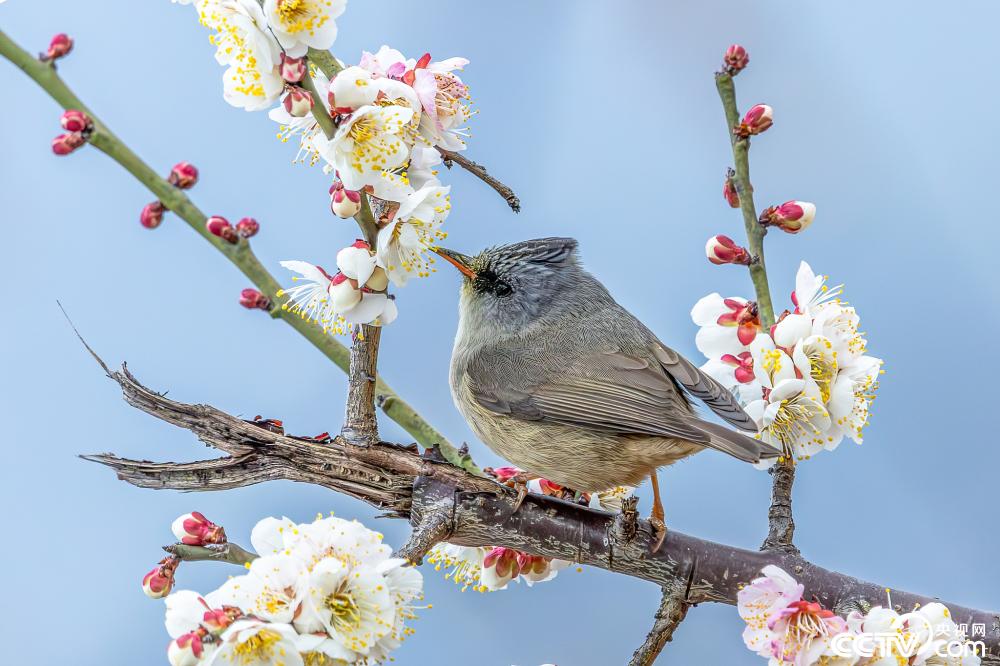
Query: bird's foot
[659, 530]
[519, 482]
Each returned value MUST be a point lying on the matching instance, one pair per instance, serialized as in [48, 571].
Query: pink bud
[59, 47]
[344, 203]
[219, 226]
[791, 216]
[757, 120]
[729, 190]
[504, 474]
[247, 227]
[183, 176]
[253, 299]
[186, 650]
[75, 121]
[64, 144]
[152, 214]
[194, 529]
[293, 70]
[158, 582]
[298, 102]
[722, 250]
[736, 59]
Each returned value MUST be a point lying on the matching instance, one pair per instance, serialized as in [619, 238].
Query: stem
[222, 552]
[239, 254]
[360, 425]
[666, 619]
[781, 526]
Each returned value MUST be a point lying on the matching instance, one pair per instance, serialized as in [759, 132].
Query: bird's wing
[697, 383]
[609, 392]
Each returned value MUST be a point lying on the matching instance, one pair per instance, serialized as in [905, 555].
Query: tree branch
[480, 172]
[216, 552]
[442, 501]
[240, 254]
[781, 526]
[666, 619]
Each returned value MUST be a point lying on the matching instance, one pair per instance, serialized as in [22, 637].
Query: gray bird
[557, 378]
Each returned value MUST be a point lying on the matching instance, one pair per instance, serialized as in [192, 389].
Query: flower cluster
[807, 382]
[491, 569]
[326, 592]
[786, 629]
[355, 294]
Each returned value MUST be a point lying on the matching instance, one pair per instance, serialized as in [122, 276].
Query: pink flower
[194, 529]
[253, 299]
[152, 214]
[758, 119]
[75, 121]
[59, 47]
[158, 582]
[293, 70]
[791, 216]
[743, 315]
[247, 227]
[802, 632]
[183, 176]
[723, 250]
[64, 144]
[759, 601]
[736, 59]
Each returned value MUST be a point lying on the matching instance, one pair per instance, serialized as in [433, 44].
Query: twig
[666, 619]
[781, 527]
[221, 552]
[480, 172]
[240, 254]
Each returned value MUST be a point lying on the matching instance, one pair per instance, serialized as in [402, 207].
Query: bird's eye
[501, 288]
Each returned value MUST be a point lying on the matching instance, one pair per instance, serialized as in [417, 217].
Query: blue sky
[605, 120]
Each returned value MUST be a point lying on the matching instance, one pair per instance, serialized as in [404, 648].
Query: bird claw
[659, 529]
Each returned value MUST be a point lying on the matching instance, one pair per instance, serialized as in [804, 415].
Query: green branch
[239, 254]
[755, 232]
[781, 525]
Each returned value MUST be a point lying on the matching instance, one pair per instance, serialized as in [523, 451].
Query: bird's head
[511, 286]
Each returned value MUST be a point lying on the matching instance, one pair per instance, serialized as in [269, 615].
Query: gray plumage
[556, 377]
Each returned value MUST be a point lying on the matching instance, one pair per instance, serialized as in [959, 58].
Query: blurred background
[605, 120]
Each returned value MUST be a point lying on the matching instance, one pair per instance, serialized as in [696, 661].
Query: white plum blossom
[415, 230]
[491, 569]
[808, 382]
[371, 140]
[252, 642]
[301, 24]
[333, 302]
[305, 128]
[243, 43]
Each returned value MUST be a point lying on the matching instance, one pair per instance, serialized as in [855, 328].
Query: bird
[553, 375]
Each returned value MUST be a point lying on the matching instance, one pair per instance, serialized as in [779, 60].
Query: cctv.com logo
[917, 639]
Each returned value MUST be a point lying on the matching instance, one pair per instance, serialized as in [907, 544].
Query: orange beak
[458, 260]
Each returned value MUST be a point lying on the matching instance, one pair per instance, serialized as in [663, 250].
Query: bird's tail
[736, 444]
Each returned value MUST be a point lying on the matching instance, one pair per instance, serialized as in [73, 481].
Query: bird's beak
[458, 260]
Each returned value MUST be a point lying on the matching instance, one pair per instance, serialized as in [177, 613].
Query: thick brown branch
[360, 424]
[668, 616]
[447, 502]
[480, 172]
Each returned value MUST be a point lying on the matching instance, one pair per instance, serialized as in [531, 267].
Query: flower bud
[64, 144]
[757, 119]
[791, 216]
[344, 203]
[729, 190]
[152, 214]
[293, 70]
[183, 176]
[503, 474]
[343, 294]
[723, 250]
[792, 328]
[379, 280]
[736, 59]
[75, 121]
[186, 650]
[219, 226]
[194, 529]
[252, 299]
[247, 227]
[357, 261]
[298, 102]
[158, 582]
[59, 47]
[218, 619]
